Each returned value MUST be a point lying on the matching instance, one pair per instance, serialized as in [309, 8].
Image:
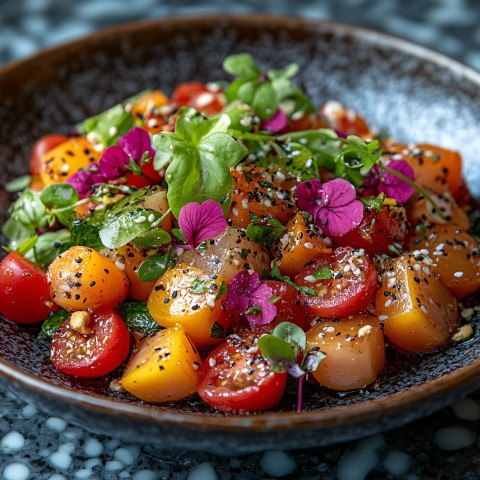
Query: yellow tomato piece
[418, 312]
[456, 257]
[147, 104]
[164, 368]
[173, 302]
[301, 243]
[82, 279]
[132, 257]
[59, 164]
[354, 349]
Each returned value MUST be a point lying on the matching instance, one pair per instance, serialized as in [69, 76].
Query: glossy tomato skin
[93, 355]
[377, 231]
[24, 293]
[200, 97]
[42, 146]
[236, 378]
[350, 288]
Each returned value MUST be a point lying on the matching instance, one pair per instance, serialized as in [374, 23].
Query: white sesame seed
[391, 282]
[151, 217]
[92, 137]
[347, 268]
[99, 147]
[383, 317]
[327, 241]
[245, 204]
[140, 219]
[235, 211]
[440, 246]
[212, 362]
[458, 274]
[417, 267]
[423, 308]
[112, 131]
[281, 176]
[310, 279]
[388, 302]
[426, 270]
[120, 265]
[308, 245]
[308, 163]
[195, 366]
[297, 115]
[128, 107]
[364, 331]
[329, 329]
[204, 99]
[210, 300]
[438, 253]
[267, 203]
[152, 123]
[424, 251]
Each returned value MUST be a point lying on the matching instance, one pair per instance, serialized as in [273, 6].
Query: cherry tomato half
[42, 146]
[24, 293]
[197, 95]
[95, 354]
[377, 230]
[348, 289]
[235, 377]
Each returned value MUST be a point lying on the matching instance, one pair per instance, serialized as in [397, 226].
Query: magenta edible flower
[247, 294]
[113, 162]
[395, 187]
[199, 222]
[277, 123]
[85, 179]
[333, 205]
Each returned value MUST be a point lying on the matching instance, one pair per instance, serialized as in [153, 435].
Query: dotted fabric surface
[444, 445]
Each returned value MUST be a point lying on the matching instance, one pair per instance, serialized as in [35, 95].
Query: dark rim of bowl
[355, 413]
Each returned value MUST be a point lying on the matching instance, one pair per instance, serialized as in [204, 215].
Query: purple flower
[135, 145]
[247, 294]
[393, 186]
[85, 179]
[333, 205]
[277, 123]
[199, 222]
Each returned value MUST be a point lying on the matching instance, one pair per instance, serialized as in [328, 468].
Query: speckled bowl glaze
[415, 93]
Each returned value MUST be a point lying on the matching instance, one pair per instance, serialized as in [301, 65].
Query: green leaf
[322, 273]
[276, 275]
[199, 171]
[275, 348]
[198, 286]
[52, 324]
[265, 233]
[121, 229]
[251, 310]
[265, 101]
[137, 317]
[27, 245]
[241, 64]
[376, 203]
[59, 195]
[155, 266]
[292, 334]
[29, 211]
[86, 234]
[49, 246]
[108, 125]
[18, 184]
[218, 331]
[154, 238]
[221, 291]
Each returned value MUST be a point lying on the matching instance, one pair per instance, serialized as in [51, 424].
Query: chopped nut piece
[463, 333]
[79, 321]
[364, 331]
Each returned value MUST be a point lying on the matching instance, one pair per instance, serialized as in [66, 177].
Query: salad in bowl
[233, 236]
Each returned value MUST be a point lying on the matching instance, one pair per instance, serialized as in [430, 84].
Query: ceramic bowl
[414, 93]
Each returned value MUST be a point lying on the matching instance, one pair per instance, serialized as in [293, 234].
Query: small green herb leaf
[155, 266]
[52, 324]
[221, 291]
[275, 348]
[59, 195]
[292, 334]
[276, 275]
[137, 317]
[199, 286]
[265, 233]
[152, 239]
[18, 184]
[322, 273]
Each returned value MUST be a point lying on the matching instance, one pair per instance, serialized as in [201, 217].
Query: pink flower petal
[336, 221]
[113, 162]
[277, 123]
[260, 298]
[307, 195]
[199, 222]
[85, 179]
[136, 143]
[337, 193]
[239, 288]
[395, 187]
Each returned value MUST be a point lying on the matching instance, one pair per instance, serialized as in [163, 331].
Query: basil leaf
[322, 273]
[52, 324]
[137, 318]
[121, 229]
[58, 195]
[274, 348]
[154, 238]
[18, 184]
[155, 266]
[292, 334]
[241, 64]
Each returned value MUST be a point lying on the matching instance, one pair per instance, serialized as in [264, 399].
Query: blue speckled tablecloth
[442, 446]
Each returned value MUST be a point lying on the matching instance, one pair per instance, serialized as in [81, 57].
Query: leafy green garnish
[52, 324]
[276, 275]
[322, 273]
[265, 232]
[155, 238]
[199, 286]
[18, 184]
[221, 291]
[137, 317]
[376, 203]
[199, 156]
[155, 266]
[48, 247]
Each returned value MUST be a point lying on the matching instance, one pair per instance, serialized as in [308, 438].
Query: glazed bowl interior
[413, 93]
